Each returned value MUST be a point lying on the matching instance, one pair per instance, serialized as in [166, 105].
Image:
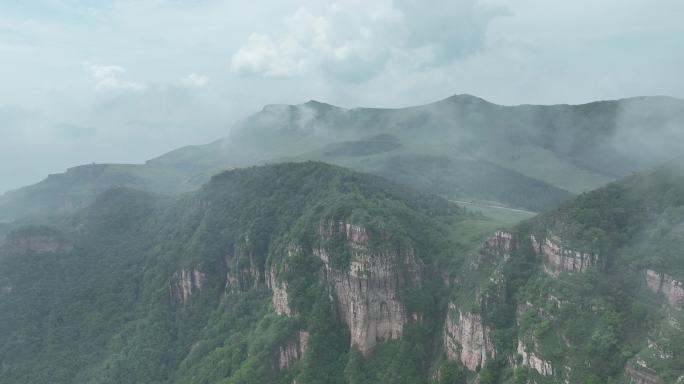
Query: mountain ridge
[589, 144]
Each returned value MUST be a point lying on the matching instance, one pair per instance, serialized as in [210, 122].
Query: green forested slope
[102, 307]
[606, 307]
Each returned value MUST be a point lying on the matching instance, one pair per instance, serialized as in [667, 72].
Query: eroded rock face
[366, 293]
[665, 284]
[501, 242]
[292, 352]
[466, 339]
[532, 361]
[184, 283]
[560, 259]
[243, 271]
[639, 373]
[280, 299]
[38, 244]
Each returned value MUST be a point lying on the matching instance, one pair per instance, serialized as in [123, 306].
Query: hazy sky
[122, 81]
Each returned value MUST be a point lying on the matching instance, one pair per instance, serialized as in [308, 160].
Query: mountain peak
[465, 98]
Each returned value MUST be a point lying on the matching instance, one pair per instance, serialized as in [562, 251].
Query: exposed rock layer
[366, 292]
[638, 374]
[532, 361]
[184, 283]
[38, 244]
[562, 259]
[500, 242]
[665, 284]
[466, 339]
[293, 351]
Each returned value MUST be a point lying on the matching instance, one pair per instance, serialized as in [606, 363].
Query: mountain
[463, 148]
[312, 273]
[263, 275]
[590, 292]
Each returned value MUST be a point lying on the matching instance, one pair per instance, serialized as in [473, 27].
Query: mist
[107, 82]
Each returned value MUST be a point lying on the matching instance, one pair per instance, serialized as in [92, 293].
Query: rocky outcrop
[37, 239]
[500, 243]
[639, 373]
[184, 283]
[366, 292]
[293, 351]
[243, 271]
[280, 299]
[562, 259]
[665, 284]
[532, 361]
[466, 339]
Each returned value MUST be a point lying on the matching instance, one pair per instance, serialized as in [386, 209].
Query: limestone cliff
[500, 243]
[639, 373]
[665, 284]
[280, 299]
[532, 361]
[243, 270]
[184, 283]
[37, 240]
[293, 351]
[466, 339]
[366, 292]
[560, 258]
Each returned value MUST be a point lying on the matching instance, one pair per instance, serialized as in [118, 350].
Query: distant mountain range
[462, 148]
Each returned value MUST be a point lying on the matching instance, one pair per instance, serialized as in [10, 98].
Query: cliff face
[532, 361]
[562, 259]
[638, 373]
[293, 351]
[500, 243]
[366, 293]
[243, 271]
[280, 300]
[38, 244]
[466, 339]
[184, 283]
[665, 284]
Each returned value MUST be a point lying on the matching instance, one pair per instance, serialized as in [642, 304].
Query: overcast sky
[122, 81]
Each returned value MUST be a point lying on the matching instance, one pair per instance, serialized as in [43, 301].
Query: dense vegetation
[589, 326]
[107, 308]
[102, 313]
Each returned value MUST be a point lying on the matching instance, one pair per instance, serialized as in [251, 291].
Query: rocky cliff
[466, 339]
[500, 243]
[280, 300]
[184, 283]
[639, 373]
[672, 289]
[293, 351]
[560, 258]
[532, 361]
[243, 271]
[367, 291]
[37, 239]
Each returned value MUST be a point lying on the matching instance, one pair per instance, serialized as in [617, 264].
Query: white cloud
[110, 77]
[384, 53]
[355, 40]
[260, 56]
[195, 80]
